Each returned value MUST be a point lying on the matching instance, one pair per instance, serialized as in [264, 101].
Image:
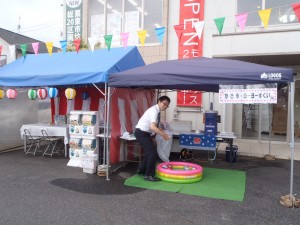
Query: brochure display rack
[83, 151]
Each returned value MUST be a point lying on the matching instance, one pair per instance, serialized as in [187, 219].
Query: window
[251, 7]
[267, 121]
[96, 19]
[153, 18]
[125, 16]
[282, 12]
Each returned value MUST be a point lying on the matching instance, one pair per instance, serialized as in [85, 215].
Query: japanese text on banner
[73, 19]
[248, 96]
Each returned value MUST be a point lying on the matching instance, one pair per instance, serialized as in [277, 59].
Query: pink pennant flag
[124, 38]
[179, 30]
[296, 8]
[241, 19]
[35, 47]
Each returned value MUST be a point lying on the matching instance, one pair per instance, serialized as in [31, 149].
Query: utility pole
[19, 25]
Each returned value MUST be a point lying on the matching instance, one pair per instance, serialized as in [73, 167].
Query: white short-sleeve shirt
[150, 116]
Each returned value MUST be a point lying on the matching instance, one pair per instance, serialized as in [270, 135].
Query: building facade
[261, 128]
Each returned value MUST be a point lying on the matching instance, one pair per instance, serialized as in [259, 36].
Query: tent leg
[107, 134]
[292, 143]
[106, 131]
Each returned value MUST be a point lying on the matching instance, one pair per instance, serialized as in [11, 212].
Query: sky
[39, 19]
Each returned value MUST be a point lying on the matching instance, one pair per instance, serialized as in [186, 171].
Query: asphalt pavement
[39, 190]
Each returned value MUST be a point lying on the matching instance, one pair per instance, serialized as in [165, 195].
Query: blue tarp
[205, 74]
[70, 68]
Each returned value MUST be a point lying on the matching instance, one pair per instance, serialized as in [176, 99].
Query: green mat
[216, 183]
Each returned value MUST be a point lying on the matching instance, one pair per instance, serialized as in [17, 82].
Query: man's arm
[159, 131]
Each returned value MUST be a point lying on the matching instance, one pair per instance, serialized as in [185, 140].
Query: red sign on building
[190, 45]
[189, 98]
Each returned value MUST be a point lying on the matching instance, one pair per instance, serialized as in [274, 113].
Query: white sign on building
[248, 96]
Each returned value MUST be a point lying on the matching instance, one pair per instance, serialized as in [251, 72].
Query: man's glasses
[166, 104]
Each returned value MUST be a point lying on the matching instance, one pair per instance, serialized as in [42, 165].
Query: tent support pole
[292, 143]
[105, 130]
[107, 134]
[224, 118]
[100, 89]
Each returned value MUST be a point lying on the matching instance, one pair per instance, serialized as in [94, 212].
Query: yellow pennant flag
[265, 16]
[142, 36]
[49, 46]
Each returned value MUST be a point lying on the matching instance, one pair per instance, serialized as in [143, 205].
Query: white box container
[89, 163]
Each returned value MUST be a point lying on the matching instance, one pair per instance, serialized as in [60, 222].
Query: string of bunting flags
[92, 42]
[241, 20]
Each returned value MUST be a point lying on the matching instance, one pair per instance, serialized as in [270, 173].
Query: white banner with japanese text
[248, 96]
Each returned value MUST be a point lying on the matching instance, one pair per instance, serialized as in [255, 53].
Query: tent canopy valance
[70, 68]
[205, 74]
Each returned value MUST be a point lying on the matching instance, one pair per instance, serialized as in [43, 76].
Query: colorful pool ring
[176, 181]
[179, 172]
[179, 168]
[179, 177]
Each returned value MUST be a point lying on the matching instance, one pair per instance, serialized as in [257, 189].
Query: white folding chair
[34, 142]
[52, 142]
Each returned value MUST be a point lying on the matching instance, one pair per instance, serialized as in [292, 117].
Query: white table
[130, 141]
[52, 130]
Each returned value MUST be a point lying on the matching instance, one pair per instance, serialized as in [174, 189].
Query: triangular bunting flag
[35, 47]
[92, 41]
[124, 37]
[1, 49]
[265, 16]
[142, 36]
[49, 46]
[179, 30]
[24, 49]
[220, 23]
[108, 39]
[160, 32]
[296, 8]
[241, 19]
[12, 50]
[199, 27]
[77, 44]
[63, 45]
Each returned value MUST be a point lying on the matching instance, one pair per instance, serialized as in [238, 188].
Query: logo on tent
[271, 76]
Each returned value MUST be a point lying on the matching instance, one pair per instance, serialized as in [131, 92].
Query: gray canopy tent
[206, 74]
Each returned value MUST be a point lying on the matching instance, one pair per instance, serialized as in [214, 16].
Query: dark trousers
[149, 162]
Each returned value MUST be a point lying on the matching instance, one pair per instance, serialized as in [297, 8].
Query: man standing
[148, 125]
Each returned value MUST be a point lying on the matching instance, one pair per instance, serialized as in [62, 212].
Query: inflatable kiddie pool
[179, 172]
